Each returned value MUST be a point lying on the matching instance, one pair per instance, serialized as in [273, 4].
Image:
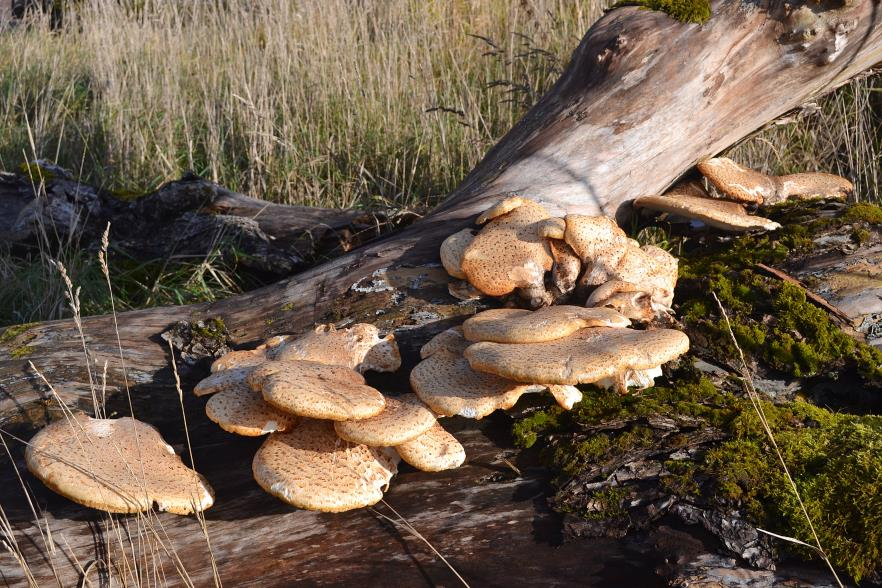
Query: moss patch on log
[835, 459]
[704, 436]
[690, 11]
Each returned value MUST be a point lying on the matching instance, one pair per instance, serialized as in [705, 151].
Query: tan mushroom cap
[358, 347]
[226, 379]
[451, 340]
[316, 390]
[435, 450]
[311, 467]
[449, 386]
[546, 324]
[244, 412]
[452, 249]
[552, 228]
[626, 299]
[737, 182]
[584, 357]
[567, 266]
[727, 216]
[508, 253]
[404, 418]
[116, 465]
[811, 185]
[746, 185]
[236, 359]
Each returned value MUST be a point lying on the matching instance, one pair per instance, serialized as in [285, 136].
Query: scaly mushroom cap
[811, 185]
[311, 467]
[584, 357]
[116, 465]
[450, 339]
[508, 325]
[737, 182]
[435, 450]
[238, 359]
[449, 386]
[452, 249]
[316, 390]
[230, 378]
[727, 216]
[567, 266]
[358, 347]
[508, 253]
[244, 412]
[598, 241]
[404, 418]
[552, 228]
[626, 299]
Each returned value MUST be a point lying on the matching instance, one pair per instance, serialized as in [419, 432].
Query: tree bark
[643, 99]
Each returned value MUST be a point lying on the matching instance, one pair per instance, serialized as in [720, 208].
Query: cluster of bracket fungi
[598, 307]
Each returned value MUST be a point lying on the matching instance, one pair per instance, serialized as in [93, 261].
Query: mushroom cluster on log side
[334, 442]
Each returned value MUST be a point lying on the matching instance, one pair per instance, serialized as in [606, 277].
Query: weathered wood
[643, 99]
[190, 217]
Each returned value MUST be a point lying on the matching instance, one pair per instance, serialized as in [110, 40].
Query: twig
[811, 296]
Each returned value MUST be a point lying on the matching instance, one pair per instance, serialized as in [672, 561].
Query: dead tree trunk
[643, 99]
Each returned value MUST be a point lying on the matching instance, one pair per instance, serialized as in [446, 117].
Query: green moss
[35, 171]
[21, 351]
[212, 329]
[771, 320]
[836, 460]
[10, 333]
[695, 11]
[288, 306]
[863, 212]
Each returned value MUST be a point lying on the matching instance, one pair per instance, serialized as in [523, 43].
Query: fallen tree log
[643, 99]
[191, 217]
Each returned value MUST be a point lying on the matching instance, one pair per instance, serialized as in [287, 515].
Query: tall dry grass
[325, 102]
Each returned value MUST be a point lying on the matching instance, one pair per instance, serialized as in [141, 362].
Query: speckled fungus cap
[737, 182]
[239, 359]
[311, 467]
[244, 412]
[435, 450]
[226, 379]
[358, 347]
[449, 386]
[315, 390]
[727, 216]
[508, 252]
[116, 465]
[509, 325]
[404, 418]
[584, 357]
[452, 250]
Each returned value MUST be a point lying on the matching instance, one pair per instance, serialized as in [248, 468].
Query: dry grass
[329, 102]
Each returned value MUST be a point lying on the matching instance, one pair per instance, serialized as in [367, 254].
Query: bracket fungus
[358, 347]
[404, 418]
[585, 357]
[508, 254]
[720, 214]
[445, 381]
[316, 390]
[511, 325]
[434, 451]
[311, 467]
[243, 411]
[116, 465]
[746, 185]
[230, 378]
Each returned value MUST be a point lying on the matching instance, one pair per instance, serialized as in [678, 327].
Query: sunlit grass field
[324, 102]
